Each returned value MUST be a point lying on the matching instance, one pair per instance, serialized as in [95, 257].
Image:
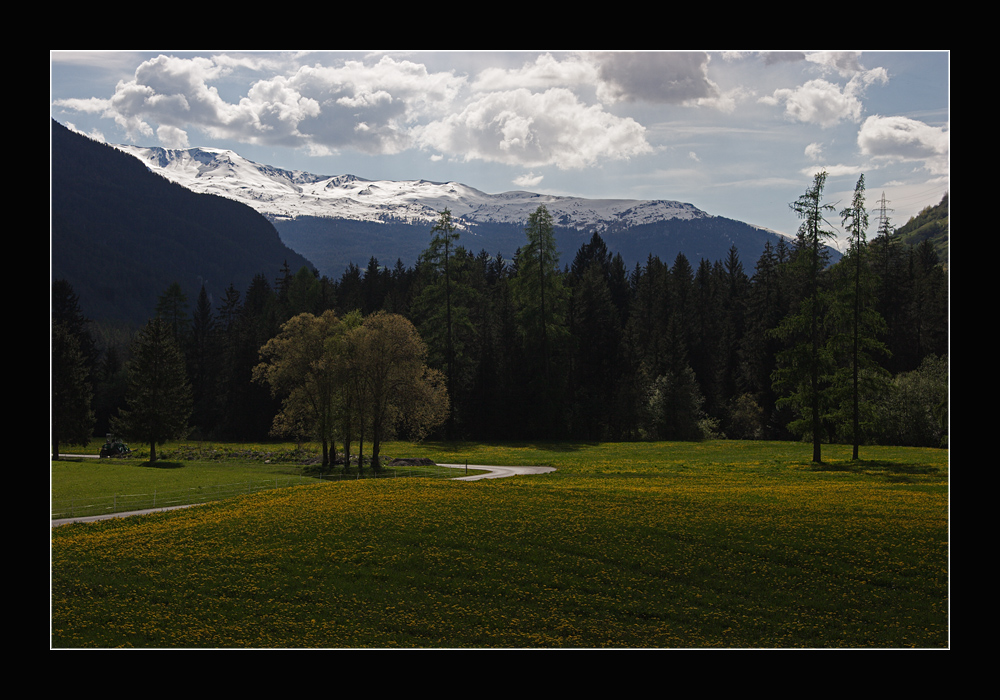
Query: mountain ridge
[339, 220]
[121, 234]
[277, 192]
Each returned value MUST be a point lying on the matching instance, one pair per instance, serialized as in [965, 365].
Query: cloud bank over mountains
[547, 111]
[739, 133]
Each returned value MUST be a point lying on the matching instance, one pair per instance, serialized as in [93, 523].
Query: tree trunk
[376, 444]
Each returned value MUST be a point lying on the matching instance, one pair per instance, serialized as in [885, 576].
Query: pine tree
[72, 394]
[860, 323]
[349, 290]
[498, 377]
[159, 396]
[246, 326]
[373, 287]
[66, 311]
[596, 332]
[442, 305]
[707, 316]
[74, 359]
[888, 261]
[304, 293]
[734, 293]
[649, 313]
[804, 367]
[541, 301]
[203, 354]
[172, 307]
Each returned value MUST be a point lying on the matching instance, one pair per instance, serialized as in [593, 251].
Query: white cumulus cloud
[320, 108]
[817, 102]
[902, 138]
[822, 102]
[525, 128]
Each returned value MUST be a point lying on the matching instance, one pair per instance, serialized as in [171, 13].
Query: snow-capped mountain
[339, 220]
[278, 193]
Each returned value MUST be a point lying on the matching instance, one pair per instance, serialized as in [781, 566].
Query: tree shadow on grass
[540, 445]
[558, 445]
[162, 464]
[893, 471]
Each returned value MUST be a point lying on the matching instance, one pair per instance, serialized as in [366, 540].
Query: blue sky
[737, 134]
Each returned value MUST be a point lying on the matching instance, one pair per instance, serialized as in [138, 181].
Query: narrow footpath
[492, 473]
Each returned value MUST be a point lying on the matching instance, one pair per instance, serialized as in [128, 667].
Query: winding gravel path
[497, 472]
[493, 473]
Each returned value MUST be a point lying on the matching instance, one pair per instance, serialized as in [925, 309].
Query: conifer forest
[785, 347]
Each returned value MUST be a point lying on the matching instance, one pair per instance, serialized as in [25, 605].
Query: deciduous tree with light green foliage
[914, 411]
[159, 396]
[395, 387]
[304, 364]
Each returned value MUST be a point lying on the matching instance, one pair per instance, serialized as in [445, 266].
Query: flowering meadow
[668, 545]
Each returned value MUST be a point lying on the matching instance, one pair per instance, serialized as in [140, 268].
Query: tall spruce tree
[596, 332]
[204, 366]
[442, 305]
[66, 311]
[172, 307]
[74, 358]
[889, 264]
[859, 322]
[72, 394]
[159, 397]
[804, 367]
[541, 300]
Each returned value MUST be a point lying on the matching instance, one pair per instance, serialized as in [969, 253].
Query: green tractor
[114, 447]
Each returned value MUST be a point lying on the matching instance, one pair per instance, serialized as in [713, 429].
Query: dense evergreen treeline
[589, 350]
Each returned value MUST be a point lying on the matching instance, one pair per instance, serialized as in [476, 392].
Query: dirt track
[494, 473]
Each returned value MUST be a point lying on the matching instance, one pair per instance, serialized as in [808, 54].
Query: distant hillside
[930, 224]
[122, 234]
[332, 244]
[336, 220]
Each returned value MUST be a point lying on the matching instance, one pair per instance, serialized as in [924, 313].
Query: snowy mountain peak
[284, 194]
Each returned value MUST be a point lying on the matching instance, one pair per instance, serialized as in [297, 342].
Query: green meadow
[719, 544]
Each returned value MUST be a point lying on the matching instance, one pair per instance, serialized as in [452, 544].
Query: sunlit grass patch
[661, 545]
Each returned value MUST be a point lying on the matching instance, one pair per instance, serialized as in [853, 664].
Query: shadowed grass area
[717, 544]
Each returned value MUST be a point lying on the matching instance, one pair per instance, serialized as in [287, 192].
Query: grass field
[670, 545]
[185, 475]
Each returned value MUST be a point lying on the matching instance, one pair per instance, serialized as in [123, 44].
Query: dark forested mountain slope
[333, 244]
[121, 234]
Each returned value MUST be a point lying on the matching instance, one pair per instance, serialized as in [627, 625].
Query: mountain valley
[335, 221]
